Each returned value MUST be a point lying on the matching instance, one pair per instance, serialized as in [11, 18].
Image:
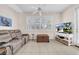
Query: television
[64, 27]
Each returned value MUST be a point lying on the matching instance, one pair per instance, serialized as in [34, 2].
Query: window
[39, 22]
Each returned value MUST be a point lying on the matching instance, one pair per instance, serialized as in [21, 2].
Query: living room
[30, 22]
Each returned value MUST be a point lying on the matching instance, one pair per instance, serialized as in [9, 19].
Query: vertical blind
[77, 26]
[39, 22]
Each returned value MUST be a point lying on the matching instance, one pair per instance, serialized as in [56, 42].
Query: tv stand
[64, 38]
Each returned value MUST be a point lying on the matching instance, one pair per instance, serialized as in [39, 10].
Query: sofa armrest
[8, 48]
[25, 35]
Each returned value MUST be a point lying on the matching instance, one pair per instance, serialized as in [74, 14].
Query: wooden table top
[42, 35]
[25, 34]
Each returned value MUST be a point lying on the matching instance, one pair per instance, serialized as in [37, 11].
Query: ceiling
[44, 7]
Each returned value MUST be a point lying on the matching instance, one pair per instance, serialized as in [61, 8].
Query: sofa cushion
[18, 34]
[16, 44]
[5, 38]
[12, 33]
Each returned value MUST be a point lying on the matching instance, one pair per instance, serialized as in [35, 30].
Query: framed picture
[5, 21]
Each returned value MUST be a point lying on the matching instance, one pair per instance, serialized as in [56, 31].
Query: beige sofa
[13, 40]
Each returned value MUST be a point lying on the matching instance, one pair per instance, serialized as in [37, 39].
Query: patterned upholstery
[18, 34]
[12, 33]
[4, 36]
[13, 38]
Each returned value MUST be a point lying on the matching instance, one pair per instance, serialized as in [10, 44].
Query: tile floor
[51, 48]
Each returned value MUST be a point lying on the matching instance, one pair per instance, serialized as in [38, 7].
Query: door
[77, 27]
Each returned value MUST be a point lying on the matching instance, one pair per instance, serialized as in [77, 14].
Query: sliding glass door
[77, 27]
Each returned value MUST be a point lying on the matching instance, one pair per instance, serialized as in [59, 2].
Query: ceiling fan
[38, 11]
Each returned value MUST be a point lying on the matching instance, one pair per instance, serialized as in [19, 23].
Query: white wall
[68, 15]
[7, 12]
[18, 19]
[22, 22]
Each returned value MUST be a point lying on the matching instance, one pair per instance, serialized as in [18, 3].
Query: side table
[26, 36]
